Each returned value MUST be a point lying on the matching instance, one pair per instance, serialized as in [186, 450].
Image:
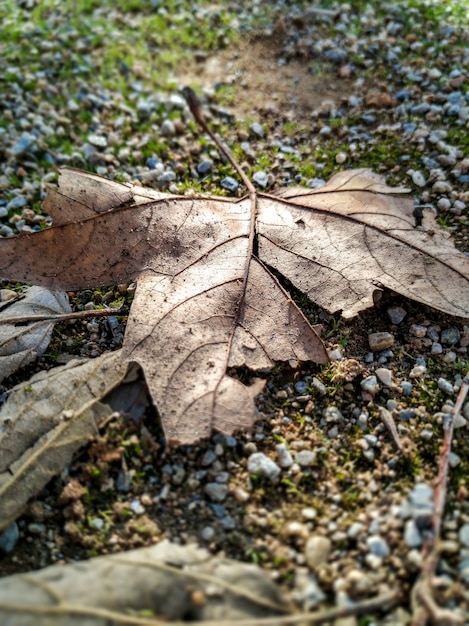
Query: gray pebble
[412, 537]
[261, 179]
[377, 546]
[217, 492]
[370, 384]
[99, 141]
[208, 458]
[17, 202]
[419, 179]
[284, 457]
[406, 388]
[207, 533]
[260, 465]
[9, 538]
[96, 523]
[450, 337]
[229, 183]
[464, 535]
[385, 376]
[396, 314]
[257, 129]
[445, 386]
[204, 167]
[441, 186]
[332, 414]
[305, 458]
[167, 129]
[318, 386]
[26, 143]
[436, 348]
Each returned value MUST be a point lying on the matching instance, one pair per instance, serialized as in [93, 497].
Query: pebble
[464, 535]
[385, 376]
[229, 183]
[377, 546]
[396, 314]
[204, 167]
[285, 458]
[450, 337]
[412, 537]
[418, 331]
[305, 458]
[370, 384]
[261, 465]
[445, 386]
[406, 388]
[257, 130]
[261, 179]
[9, 538]
[217, 492]
[317, 551]
[380, 341]
[418, 179]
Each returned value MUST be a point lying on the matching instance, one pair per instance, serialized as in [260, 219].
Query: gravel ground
[317, 494]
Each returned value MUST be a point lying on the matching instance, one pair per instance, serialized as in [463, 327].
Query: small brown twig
[63, 317]
[426, 609]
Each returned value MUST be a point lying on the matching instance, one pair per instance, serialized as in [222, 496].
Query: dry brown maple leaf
[205, 297]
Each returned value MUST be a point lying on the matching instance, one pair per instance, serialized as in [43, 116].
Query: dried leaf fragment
[21, 344]
[45, 420]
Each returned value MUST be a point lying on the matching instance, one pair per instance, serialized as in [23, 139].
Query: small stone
[418, 179]
[318, 386]
[377, 546]
[217, 492]
[9, 538]
[464, 535]
[99, 141]
[450, 337]
[450, 357]
[167, 129]
[396, 314]
[207, 533]
[412, 537]
[257, 130]
[426, 434]
[436, 348]
[445, 386]
[208, 458]
[443, 204]
[418, 371]
[417, 330]
[370, 384]
[261, 179]
[260, 465]
[454, 459]
[317, 550]
[18, 202]
[406, 388]
[305, 458]
[284, 457]
[459, 421]
[380, 341]
[441, 186]
[229, 183]
[354, 530]
[340, 158]
[204, 167]
[385, 376]
[335, 355]
[332, 414]
[96, 523]
[137, 507]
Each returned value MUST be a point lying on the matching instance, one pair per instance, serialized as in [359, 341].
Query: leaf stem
[64, 317]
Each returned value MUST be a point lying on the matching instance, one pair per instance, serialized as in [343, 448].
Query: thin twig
[426, 608]
[77, 315]
[196, 110]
